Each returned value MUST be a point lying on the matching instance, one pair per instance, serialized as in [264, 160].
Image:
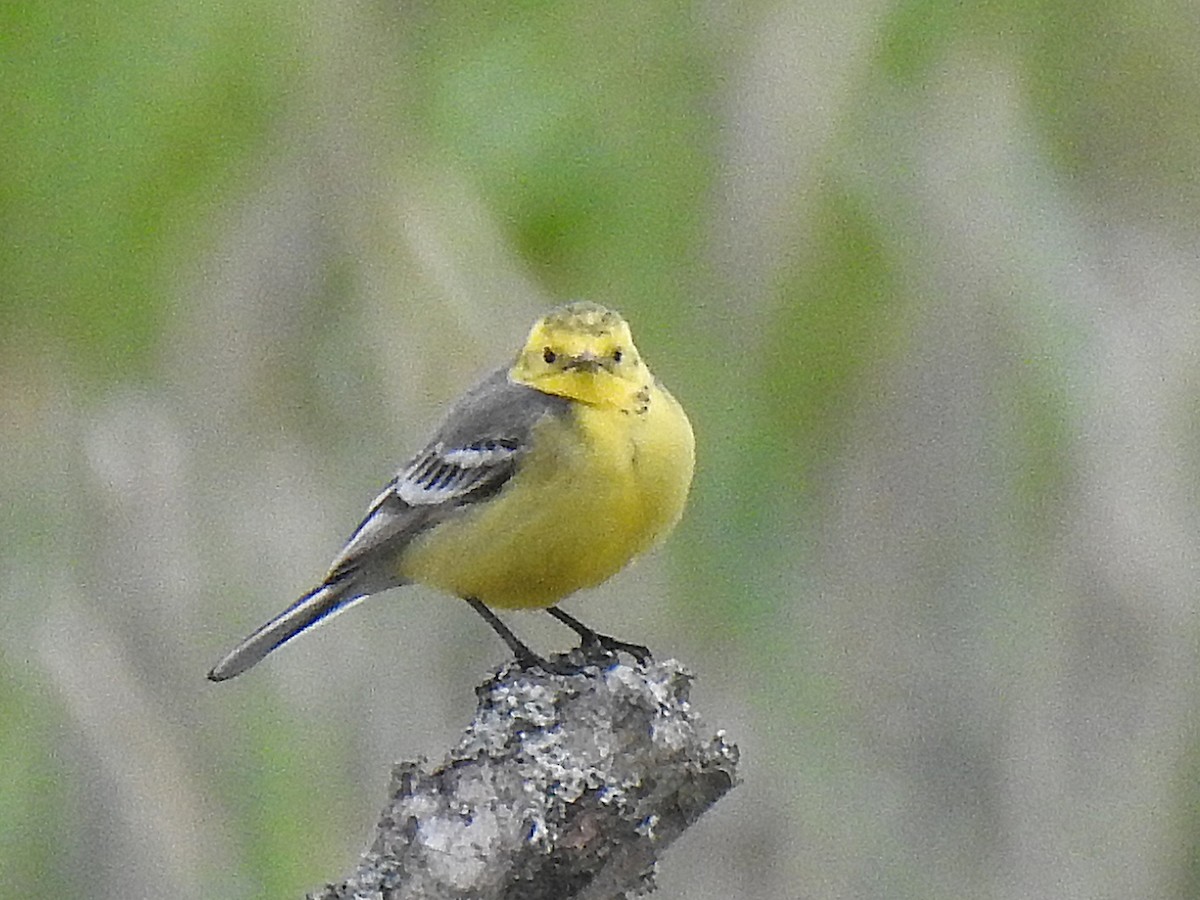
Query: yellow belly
[600, 486]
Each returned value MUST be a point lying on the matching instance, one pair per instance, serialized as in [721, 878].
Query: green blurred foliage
[289, 852]
[123, 125]
[601, 143]
[37, 839]
[534, 105]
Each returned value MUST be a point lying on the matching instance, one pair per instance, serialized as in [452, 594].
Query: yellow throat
[584, 352]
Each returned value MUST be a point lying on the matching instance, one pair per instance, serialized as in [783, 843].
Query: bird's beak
[585, 362]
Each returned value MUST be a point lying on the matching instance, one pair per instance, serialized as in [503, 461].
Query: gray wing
[471, 456]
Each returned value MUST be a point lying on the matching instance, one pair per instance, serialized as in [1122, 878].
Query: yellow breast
[600, 486]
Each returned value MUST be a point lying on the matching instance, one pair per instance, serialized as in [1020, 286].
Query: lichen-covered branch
[564, 786]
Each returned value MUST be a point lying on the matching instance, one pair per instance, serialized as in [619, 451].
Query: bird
[546, 478]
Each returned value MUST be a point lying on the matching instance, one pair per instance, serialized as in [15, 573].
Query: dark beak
[585, 362]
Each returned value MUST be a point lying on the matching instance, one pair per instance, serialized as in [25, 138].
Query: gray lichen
[564, 786]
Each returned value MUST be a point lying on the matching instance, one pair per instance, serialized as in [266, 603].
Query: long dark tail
[306, 612]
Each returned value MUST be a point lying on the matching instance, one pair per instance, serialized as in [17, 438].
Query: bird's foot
[598, 646]
[560, 665]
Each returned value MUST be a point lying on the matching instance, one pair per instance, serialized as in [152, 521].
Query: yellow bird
[547, 477]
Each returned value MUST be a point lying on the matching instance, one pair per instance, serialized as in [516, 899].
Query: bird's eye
[616, 355]
[549, 356]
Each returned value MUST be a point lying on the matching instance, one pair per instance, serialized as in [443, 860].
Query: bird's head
[584, 352]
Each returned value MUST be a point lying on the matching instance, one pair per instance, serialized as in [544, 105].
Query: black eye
[549, 356]
[616, 355]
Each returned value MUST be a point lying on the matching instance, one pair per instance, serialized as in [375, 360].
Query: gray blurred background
[924, 273]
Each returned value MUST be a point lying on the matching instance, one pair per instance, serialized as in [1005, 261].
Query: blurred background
[924, 273]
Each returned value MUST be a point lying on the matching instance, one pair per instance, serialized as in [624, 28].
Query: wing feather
[472, 455]
[446, 474]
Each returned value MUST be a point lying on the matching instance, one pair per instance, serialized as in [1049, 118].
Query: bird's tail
[313, 607]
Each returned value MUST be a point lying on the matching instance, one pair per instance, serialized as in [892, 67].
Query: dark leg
[526, 658]
[591, 640]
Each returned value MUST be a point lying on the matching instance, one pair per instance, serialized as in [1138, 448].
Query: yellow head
[585, 352]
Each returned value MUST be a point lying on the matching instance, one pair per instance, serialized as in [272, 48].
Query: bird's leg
[591, 640]
[526, 658]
